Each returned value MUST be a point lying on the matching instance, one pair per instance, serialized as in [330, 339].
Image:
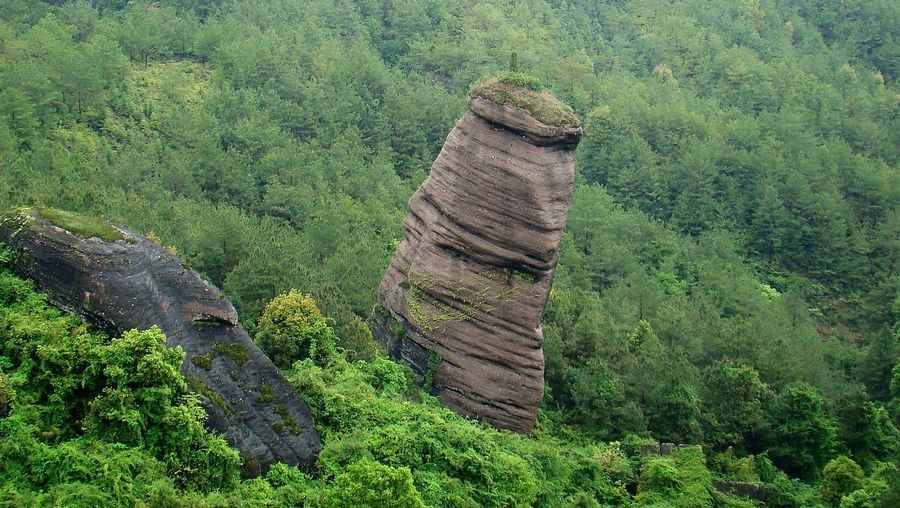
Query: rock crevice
[470, 281]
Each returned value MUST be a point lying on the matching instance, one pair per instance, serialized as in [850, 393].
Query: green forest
[729, 276]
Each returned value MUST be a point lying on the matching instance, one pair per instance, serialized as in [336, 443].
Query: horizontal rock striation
[463, 297]
[132, 282]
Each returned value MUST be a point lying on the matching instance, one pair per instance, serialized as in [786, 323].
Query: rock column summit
[119, 280]
[463, 297]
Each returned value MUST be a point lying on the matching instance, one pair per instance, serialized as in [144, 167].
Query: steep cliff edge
[463, 297]
[119, 280]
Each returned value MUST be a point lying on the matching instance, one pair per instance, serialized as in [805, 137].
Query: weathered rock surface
[463, 297]
[135, 283]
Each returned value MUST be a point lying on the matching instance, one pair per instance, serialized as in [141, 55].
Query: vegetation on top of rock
[519, 78]
[80, 224]
[520, 91]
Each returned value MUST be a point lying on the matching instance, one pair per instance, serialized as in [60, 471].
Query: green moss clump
[266, 394]
[287, 420]
[197, 386]
[237, 352]
[81, 225]
[203, 361]
[431, 315]
[524, 275]
[520, 91]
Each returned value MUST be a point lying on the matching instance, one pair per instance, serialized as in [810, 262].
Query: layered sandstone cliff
[463, 297]
[126, 281]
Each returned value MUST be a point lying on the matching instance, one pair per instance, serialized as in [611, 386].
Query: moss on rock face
[237, 352]
[287, 420]
[203, 361]
[520, 91]
[197, 386]
[266, 394]
[80, 224]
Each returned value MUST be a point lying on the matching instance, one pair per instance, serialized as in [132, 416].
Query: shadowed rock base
[463, 297]
[135, 283]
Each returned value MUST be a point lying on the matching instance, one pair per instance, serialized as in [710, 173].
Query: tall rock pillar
[463, 297]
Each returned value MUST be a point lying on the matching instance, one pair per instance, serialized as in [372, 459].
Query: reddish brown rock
[463, 297]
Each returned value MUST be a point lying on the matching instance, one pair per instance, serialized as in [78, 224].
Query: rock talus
[463, 297]
[135, 283]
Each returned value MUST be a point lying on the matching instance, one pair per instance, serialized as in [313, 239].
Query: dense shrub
[292, 328]
[840, 477]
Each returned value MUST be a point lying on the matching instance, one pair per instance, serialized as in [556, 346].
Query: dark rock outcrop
[128, 281]
[755, 491]
[463, 297]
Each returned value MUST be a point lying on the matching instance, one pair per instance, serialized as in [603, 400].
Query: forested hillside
[728, 277]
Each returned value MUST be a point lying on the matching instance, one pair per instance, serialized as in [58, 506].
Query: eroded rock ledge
[127, 281]
[463, 297]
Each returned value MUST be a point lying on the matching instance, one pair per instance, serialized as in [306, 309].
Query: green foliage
[5, 256]
[103, 414]
[203, 361]
[524, 276]
[514, 62]
[287, 420]
[894, 404]
[802, 436]
[734, 402]
[726, 465]
[434, 359]
[266, 394]
[7, 395]
[292, 328]
[840, 477]
[452, 460]
[679, 479]
[865, 427]
[358, 343]
[521, 79]
[368, 483]
[881, 490]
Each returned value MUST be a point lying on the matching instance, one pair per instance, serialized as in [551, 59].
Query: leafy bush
[840, 477]
[881, 490]
[363, 414]
[292, 328]
[679, 479]
[802, 436]
[369, 483]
